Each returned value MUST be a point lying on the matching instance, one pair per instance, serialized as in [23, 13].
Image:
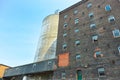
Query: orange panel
[2, 69]
[63, 60]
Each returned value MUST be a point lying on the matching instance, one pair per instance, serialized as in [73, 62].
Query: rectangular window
[98, 54]
[107, 8]
[92, 26]
[76, 21]
[111, 18]
[91, 15]
[75, 11]
[63, 75]
[95, 38]
[89, 5]
[49, 62]
[119, 49]
[101, 71]
[116, 33]
[65, 25]
[77, 56]
[65, 16]
[76, 30]
[77, 42]
[65, 34]
[64, 46]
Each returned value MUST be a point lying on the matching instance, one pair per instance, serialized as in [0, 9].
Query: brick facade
[93, 55]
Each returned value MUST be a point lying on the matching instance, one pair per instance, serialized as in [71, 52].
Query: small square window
[65, 34]
[77, 42]
[101, 72]
[111, 19]
[64, 46]
[83, 13]
[65, 25]
[49, 62]
[89, 5]
[63, 75]
[91, 15]
[98, 54]
[76, 30]
[78, 56]
[76, 21]
[95, 38]
[119, 49]
[116, 33]
[65, 16]
[107, 8]
[93, 26]
[75, 11]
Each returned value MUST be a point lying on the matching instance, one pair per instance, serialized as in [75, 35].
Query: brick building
[88, 46]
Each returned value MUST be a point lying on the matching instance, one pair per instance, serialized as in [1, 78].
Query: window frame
[108, 7]
[77, 42]
[95, 38]
[65, 25]
[111, 18]
[76, 21]
[63, 75]
[75, 12]
[116, 31]
[89, 5]
[64, 46]
[65, 16]
[65, 34]
[93, 25]
[119, 49]
[91, 15]
[76, 30]
[77, 57]
[101, 70]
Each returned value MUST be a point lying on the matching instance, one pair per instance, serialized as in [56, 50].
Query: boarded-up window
[63, 60]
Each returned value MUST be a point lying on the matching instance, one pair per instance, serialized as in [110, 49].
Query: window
[76, 30]
[83, 13]
[65, 34]
[91, 15]
[111, 18]
[75, 11]
[65, 16]
[49, 62]
[98, 54]
[101, 71]
[63, 75]
[65, 25]
[77, 56]
[116, 33]
[34, 65]
[107, 8]
[99, 6]
[76, 21]
[64, 46]
[89, 5]
[95, 38]
[119, 49]
[92, 26]
[77, 42]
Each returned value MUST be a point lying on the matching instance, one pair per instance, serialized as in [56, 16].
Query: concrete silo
[47, 43]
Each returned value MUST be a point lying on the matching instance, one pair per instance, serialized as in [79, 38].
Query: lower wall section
[38, 76]
[88, 73]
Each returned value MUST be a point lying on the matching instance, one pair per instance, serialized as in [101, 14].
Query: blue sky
[20, 27]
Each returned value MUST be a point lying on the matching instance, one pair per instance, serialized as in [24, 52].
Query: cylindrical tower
[47, 43]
